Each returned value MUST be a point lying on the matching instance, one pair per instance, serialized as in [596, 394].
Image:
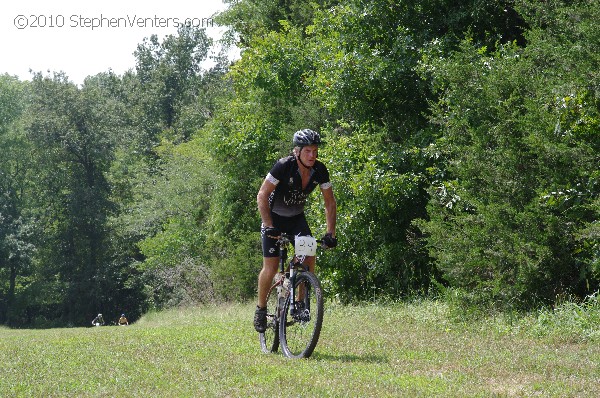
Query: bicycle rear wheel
[269, 340]
[300, 324]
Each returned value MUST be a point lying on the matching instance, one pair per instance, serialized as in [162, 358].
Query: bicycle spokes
[300, 323]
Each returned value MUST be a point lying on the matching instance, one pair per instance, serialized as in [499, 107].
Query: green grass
[414, 349]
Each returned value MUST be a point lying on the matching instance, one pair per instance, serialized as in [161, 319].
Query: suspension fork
[292, 296]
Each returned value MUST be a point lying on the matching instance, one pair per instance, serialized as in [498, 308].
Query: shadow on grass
[369, 358]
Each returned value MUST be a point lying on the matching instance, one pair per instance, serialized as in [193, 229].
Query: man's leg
[310, 261]
[265, 279]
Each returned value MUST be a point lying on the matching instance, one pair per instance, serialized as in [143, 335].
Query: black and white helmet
[306, 137]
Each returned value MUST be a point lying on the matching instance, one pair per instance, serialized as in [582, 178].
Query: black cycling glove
[271, 232]
[329, 241]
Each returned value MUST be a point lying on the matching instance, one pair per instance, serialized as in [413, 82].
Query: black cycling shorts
[295, 225]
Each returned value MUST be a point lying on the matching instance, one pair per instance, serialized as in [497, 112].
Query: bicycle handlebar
[288, 238]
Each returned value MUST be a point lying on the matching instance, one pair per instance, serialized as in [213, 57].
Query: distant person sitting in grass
[98, 321]
[123, 320]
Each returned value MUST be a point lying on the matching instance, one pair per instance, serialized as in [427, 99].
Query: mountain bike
[294, 302]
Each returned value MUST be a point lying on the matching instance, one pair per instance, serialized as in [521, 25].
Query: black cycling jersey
[288, 198]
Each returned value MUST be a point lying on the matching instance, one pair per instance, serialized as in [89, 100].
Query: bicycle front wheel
[301, 319]
[269, 340]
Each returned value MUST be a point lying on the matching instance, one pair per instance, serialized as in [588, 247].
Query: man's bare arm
[262, 199]
[330, 210]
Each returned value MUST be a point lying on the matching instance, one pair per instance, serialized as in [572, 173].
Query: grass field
[411, 350]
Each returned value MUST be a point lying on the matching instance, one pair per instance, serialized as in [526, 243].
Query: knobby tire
[299, 333]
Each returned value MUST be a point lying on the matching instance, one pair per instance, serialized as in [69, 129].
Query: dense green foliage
[511, 219]
[15, 229]
[462, 142]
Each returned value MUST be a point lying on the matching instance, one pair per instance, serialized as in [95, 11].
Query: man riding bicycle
[281, 201]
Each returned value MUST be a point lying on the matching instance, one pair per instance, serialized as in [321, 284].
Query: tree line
[462, 142]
